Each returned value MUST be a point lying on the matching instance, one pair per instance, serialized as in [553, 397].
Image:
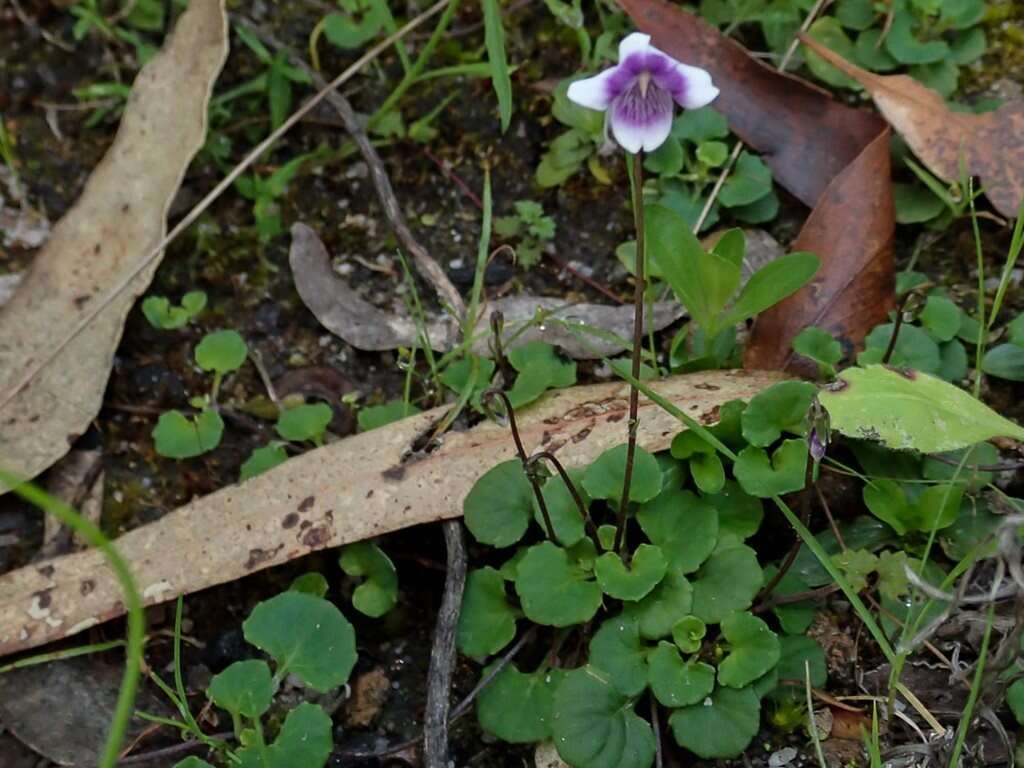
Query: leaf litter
[832, 157]
[120, 216]
[362, 486]
[991, 144]
[341, 311]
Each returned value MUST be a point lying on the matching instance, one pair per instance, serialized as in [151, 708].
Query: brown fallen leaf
[120, 216]
[991, 144]
[855, 284]
[825, 153]
[62, 709]
[340, 310]
[361, 486]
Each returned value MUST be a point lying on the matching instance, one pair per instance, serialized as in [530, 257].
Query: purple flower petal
[641, 120]
[639, 91]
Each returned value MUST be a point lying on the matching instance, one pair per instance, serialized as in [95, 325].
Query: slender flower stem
[488, 397]
[548, 456]
[640, 285]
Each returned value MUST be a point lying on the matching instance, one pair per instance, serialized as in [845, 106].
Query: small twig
[171, 751]
[805, 516]
[831, 520]
[442, 655]
[453, 177]
[656, 725]
[463, 706]
[797, 597]
[425, 263]
[494, 671]
[257, 361]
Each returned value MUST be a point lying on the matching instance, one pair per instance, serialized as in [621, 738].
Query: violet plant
[639, 561]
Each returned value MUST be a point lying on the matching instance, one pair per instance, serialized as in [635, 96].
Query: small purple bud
[817, 446]
[819, 433]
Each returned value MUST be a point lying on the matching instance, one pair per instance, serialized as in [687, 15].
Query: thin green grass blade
[133, 602]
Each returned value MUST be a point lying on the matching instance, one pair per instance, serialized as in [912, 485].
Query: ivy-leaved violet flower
[637, 93]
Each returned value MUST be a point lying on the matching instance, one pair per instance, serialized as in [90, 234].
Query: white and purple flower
[638, 93]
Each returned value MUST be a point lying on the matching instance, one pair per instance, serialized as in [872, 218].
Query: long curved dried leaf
[359, 487]
[120, 217]
[340, 310]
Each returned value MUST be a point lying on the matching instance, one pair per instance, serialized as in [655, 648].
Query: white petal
[633, 137]
[592, 92]
[637, 42]
[700, 91]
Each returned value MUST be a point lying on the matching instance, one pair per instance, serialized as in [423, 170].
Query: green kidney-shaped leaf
[304, 422]
[498, 507]
[487, 622]
[540, 368]
[1005, 361]
[635, 582]
[379, 592]
[605, 477]
[245, 688]
[739, 513]
[307, 636]
[726, 583]
[753, 650]
[178, 437]
[353, 29]
[911, 410]
[595, 726]
[795, 652]
[1015, 700]
[553, 590]
[684, 526]
[305, 739]
[657, 613]
[783, 473]
[688, 632]
[192, 762]
[721, 726]
[708, 472]
[676, 683]
[262, 459]
[516, 707]
[616, 649]
[906, 508]
[780, 408]
[311, 583]
[221, 351]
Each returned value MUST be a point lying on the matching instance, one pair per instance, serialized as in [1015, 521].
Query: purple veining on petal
[660, 67]
[633, 107]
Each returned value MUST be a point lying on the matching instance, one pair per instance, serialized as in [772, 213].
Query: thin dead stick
[425, 263]
[44, 360]
[442, 656]
[734, 155]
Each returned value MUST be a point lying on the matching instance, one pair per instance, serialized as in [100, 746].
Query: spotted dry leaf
[362, 486]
